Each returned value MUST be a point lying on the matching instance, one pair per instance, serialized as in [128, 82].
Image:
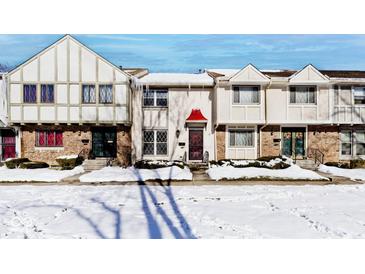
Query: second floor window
[49, 138]
[30, 93]
[106, 94]
[241, 138]
[302, 95]
[88, 94]
[47, 94]
[245, 95]
[155, 98]
[359, 95]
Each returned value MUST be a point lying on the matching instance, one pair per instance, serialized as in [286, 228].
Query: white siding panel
[88, 64]
[105, 72]
[74, 94]
[156, 118]
[15, 93]
[295, 113]
[120, 77]
[121, 114]
[61, 92]
[105, 113]
[74, 114]
[253, 113]
[89, 114]
[47, 66]
[62, 114]
[30, 71]
[62, 61]
[30, 113]
[15, 76]
[47, 114]
[120, 94]
[15, 113]
[310, 113]
[74, 62]
[238, 114]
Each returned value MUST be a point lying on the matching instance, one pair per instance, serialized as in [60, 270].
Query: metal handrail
[316, 154]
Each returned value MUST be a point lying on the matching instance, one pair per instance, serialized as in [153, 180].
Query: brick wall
[326, 139]
[221, 142]
[72, 143]
[268, 145]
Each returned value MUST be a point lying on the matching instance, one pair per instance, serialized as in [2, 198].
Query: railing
[316, 155]
[294, 153]
[85, 153]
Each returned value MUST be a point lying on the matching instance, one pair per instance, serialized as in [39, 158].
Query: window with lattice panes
[155, 97]
[155, 142]
[106, 94]
[49, 138]
[88, 94]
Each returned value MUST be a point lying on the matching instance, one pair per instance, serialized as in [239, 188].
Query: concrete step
[94, 164]
[307, 164]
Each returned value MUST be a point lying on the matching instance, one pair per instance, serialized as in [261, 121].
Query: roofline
[58, 41]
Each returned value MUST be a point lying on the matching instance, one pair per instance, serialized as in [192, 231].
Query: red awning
[196, 116]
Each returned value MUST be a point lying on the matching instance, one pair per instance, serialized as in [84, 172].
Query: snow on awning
[196, 117]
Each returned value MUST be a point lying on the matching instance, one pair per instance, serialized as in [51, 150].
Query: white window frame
[304, 86]
[155, 143]
[155, 97]
[245, 86]
[353, 94]
[355, 142]
[351, 142]
[230, 130]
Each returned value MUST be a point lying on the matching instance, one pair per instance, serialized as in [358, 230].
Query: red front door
[7, 142]
[196, 145]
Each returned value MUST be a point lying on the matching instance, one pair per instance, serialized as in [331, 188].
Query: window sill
[49, 148]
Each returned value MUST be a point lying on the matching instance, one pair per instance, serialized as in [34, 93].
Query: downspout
[216, 125]
[265, 111]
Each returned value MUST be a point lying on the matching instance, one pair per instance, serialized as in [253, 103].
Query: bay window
[302, 94]
[49, 138]
[155, 142]
[246, 95]
[241, 137]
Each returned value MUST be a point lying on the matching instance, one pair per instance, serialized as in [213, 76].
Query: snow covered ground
[39, 174]
[131, 174]
[293, 172]
[331, 211]
[353, 174]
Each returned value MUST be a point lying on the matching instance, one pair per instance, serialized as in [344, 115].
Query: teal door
[104, 142]
[293, 142]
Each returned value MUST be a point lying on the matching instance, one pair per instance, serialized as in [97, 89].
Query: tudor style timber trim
[57, 106]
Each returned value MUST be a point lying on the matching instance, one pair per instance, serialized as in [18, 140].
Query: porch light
[177, 133]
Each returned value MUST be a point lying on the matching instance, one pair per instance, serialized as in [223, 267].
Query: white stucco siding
[105, 72]
[30, 113]
[121, 94]
[47, 114]
[15, 93]
[62, 115]
[47, 66]
[227, 112]
[88, 66]
[74, 94]
[62, 61]
[61, 94]
[155, 118]
[15, 113]
[30, 71]
[74, 65]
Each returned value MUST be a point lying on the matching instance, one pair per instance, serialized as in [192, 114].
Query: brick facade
[72, 143]
[269, 140]
[326, 139]
[221, 142]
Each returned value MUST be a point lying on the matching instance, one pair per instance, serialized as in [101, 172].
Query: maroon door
[7, 144]
[196, 145]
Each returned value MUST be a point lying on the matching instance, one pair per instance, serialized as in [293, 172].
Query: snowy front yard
[182, 212]
[353, 174]
[37, 175]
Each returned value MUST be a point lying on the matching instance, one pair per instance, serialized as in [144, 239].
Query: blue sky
[189, 53]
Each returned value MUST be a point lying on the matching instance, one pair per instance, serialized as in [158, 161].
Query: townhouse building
[67, 99]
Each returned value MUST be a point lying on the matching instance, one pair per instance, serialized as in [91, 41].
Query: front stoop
[94, 164]
[199, 171]
[307, 164]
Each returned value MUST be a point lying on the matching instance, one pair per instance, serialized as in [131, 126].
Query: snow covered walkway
[182, 212]
[356, 174]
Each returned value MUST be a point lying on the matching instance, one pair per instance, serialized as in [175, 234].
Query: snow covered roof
[198, 79]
